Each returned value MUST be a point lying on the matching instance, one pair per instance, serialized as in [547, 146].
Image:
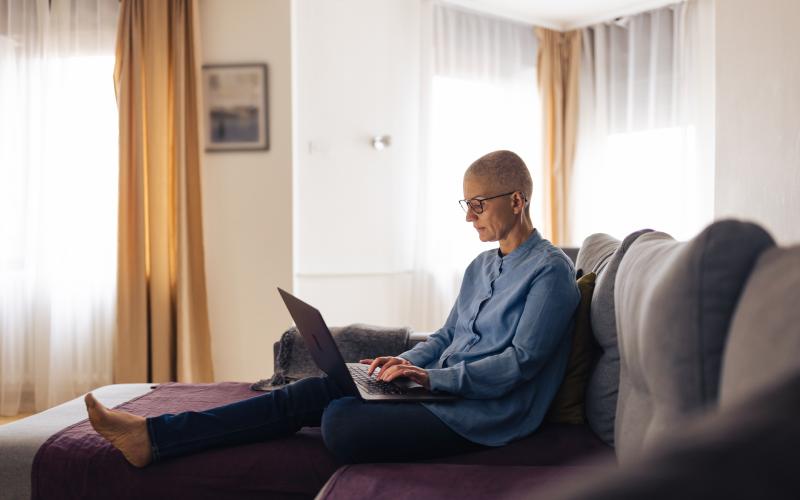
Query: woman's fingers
[415, 373]
[411, 374]
[398, 370]
[384, 362]
[376, 363]
[387, 371]
[390, 362]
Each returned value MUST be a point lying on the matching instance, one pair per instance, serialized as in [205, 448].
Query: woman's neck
[516, 237]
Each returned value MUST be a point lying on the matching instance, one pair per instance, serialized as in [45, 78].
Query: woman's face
[497, 218]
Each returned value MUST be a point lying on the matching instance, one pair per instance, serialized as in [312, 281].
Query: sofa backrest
[674, 304]
[572, 253]
[601, 254]
[763, 345]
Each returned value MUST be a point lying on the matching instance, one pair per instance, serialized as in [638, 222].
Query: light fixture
[381, 142]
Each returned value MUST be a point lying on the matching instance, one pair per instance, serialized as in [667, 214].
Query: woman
[503, 348]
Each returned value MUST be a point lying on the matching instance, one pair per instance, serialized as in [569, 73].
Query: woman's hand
[393, 367]
[415, 373]
[383, 362]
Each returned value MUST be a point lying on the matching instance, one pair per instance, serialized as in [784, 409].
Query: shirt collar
[523, 249]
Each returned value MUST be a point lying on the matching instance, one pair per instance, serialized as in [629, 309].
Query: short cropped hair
[505, 171]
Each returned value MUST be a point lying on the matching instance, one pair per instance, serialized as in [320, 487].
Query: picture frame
[235, 107]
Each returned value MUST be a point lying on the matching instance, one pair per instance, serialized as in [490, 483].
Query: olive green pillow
[568, 405]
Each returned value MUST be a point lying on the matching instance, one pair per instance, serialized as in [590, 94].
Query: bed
[20, 440]
[294, 467]
[57, 455]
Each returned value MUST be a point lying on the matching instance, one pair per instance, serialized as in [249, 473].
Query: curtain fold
[646, 138]
[58, 177]
[163, 329]
[558, 64]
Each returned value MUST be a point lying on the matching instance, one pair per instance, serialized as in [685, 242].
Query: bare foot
[127, 432]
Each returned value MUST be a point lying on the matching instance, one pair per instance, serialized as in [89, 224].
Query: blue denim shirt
[505, 344]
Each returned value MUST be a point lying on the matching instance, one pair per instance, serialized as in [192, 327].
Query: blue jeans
[355, 431]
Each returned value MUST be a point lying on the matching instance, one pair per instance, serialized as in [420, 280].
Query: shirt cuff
[412, 357]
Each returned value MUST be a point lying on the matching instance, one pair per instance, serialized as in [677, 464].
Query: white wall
[357, 75]
[758, 114]
[247, 196]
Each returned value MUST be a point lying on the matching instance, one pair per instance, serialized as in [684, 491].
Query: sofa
[694, 392]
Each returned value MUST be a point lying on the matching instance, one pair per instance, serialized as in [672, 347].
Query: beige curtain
[557, 67]
[163, 331]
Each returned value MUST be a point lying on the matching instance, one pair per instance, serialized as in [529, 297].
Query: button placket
[496, 272]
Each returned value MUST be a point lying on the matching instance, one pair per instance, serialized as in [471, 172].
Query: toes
[93, 404]
[95, 407]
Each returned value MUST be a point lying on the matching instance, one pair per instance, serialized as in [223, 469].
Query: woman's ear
[519, 202]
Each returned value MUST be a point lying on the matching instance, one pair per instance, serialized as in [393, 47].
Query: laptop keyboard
[370, 384]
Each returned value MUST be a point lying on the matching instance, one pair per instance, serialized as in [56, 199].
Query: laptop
[352, 378]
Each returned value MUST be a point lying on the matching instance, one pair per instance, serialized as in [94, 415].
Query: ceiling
[562, 14]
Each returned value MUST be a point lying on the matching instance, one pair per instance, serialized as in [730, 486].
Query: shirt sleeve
[430, 350]
[546, 317]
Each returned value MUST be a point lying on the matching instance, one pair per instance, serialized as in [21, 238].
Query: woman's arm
[430, 350]
[545, 320]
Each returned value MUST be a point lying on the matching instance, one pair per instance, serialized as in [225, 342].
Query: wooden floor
[8, 420]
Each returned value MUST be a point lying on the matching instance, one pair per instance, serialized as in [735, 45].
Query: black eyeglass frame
[467, 204]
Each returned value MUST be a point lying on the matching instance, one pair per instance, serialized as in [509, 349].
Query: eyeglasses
[476, 204]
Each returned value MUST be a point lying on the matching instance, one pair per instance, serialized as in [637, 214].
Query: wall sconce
[381, 142]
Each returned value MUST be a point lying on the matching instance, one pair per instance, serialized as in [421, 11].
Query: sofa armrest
[413, 339]
[417, 337]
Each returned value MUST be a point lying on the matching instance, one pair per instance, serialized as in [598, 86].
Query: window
[58, 201]
[483, 97]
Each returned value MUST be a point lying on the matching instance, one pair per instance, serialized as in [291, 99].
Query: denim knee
[339, 428]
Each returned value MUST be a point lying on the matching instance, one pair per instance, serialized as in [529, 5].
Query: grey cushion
[601, 254]
[675, 301]
[748, 451]
[357, 341]
[594, 253]
[572, 253]
[764, 340]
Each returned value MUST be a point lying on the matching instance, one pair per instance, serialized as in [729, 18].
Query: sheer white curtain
[479, 95]
[58, 195]
[645, 140]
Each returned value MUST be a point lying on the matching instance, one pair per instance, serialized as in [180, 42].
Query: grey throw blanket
[355, 342]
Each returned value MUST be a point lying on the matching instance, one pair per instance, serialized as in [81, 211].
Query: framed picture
[235, 107]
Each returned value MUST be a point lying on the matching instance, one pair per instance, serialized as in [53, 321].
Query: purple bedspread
[464, 482]
[77, 463]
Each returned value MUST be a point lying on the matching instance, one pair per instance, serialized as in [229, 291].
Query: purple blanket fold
[463, 482]
[77, 463]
